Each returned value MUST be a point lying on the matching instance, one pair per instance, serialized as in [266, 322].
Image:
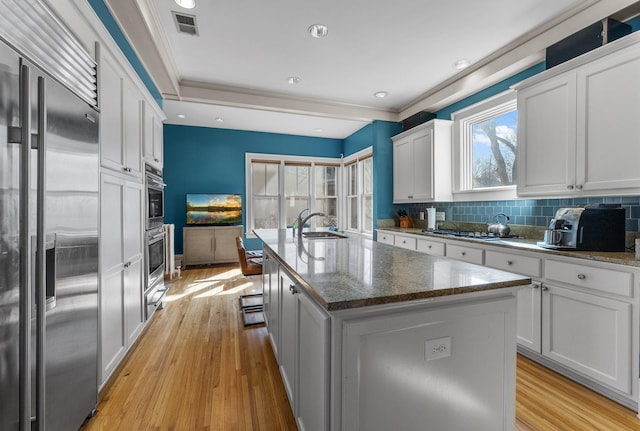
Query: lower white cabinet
[122, 276]
[588, 333]
[386, 237]
[529, 317]
[465, 253]
[303, 355]
[271, 299]
[210, 244]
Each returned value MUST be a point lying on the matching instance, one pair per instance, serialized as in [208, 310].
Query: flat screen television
[214, 209]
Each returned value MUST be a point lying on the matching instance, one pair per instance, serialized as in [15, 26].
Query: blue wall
[207, 160]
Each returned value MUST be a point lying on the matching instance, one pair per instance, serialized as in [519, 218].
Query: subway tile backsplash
[533, 212]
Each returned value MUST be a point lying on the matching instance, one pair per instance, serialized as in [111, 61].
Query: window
[485, 147]
[265, 194]
[280, 187]
[359, 192]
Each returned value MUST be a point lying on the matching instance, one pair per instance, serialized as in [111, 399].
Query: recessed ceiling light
[293, 80]
[461, 64]
[186, 4]
[381, 94]
[181, 116]
[318, 30]
[220, 120]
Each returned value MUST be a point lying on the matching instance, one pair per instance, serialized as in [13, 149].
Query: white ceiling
[237, 67]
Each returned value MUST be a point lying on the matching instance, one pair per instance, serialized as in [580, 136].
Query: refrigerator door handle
[25, 254]
[42, 258]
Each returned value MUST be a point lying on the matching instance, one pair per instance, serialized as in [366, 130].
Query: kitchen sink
[322, 235]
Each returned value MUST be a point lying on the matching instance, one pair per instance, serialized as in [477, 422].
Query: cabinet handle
[545, 288]
[464, 253]
[292, 289]
[157, 160]
[535, 285]
[404, 242]
[429, 246]
[570, 187]
[581, 276]
[579, 187]
[509, 262]
[410, 196]
[127, 265]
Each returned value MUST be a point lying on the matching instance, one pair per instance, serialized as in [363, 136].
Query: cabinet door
[386, 238]
[288, 333]
[112, 340]
[589, 334]
[225, 249]
[198, 246]
[547, 137]
[132, 228]
[403, 171]
[133, 300]
[158, 149]
[132, 130]
[313, 366]
[147, 132]
[272, 304]
[111, 128]
[608, 150]
[529, 317]
[423, 166]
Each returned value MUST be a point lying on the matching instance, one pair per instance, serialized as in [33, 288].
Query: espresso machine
[598, 227]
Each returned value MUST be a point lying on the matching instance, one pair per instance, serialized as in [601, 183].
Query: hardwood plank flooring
[197, 368]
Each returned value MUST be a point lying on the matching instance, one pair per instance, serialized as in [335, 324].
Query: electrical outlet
[440, 216]
[421, 215]
[437, 348]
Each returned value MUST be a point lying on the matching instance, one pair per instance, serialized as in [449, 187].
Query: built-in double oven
[155, 289]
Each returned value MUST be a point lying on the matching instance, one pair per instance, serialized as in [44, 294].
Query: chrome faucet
[302, 221]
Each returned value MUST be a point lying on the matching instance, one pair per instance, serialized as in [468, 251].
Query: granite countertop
[622, 258]
[357, 272]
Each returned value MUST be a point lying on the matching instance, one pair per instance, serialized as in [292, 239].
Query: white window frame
[462, 152]
[282, 159]
[356, 158]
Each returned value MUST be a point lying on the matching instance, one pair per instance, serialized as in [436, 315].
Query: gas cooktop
[466, 234]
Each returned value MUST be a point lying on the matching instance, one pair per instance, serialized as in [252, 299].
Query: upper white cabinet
[577, 133]
[120, 127]
[152, 136]
[422, 163]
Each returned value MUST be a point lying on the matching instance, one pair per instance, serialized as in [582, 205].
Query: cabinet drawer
[385, 238]
[434, 248]
[524, 265]
[405, 242]
[605, 280]
[468, 254]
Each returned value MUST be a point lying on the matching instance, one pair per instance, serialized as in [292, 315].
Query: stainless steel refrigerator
[49, 172]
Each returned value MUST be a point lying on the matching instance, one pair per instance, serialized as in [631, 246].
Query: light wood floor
[197, 368]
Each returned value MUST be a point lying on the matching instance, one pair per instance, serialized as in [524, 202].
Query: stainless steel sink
[322, 235]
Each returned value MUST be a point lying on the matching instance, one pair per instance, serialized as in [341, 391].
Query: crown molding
[191, 91]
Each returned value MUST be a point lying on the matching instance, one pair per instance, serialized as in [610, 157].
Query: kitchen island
[374, 337]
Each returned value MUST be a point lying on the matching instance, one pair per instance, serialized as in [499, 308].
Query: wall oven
[155, 197]
[155, 264]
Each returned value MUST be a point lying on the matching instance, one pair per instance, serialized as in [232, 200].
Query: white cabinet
[529, 300]
[121, 254]
[300, 334]
[405, 241]
[465, 253]
[120, 120]
[288, 331]
[589, 334]
[314, 371]
[271, 299]
[434, 248]
[153, 150]
[210, 244]
[385, 237]
[422, 163]
[577, 131]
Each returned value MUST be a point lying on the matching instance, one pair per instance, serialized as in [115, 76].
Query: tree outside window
[494, 149]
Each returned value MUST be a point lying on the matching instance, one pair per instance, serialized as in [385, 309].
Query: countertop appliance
[49, 183]
[592, 228]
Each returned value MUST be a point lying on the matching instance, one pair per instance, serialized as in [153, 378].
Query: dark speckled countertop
[621, 258]
[357, 272]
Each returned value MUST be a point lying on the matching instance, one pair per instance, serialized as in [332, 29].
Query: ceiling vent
[185, 23]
